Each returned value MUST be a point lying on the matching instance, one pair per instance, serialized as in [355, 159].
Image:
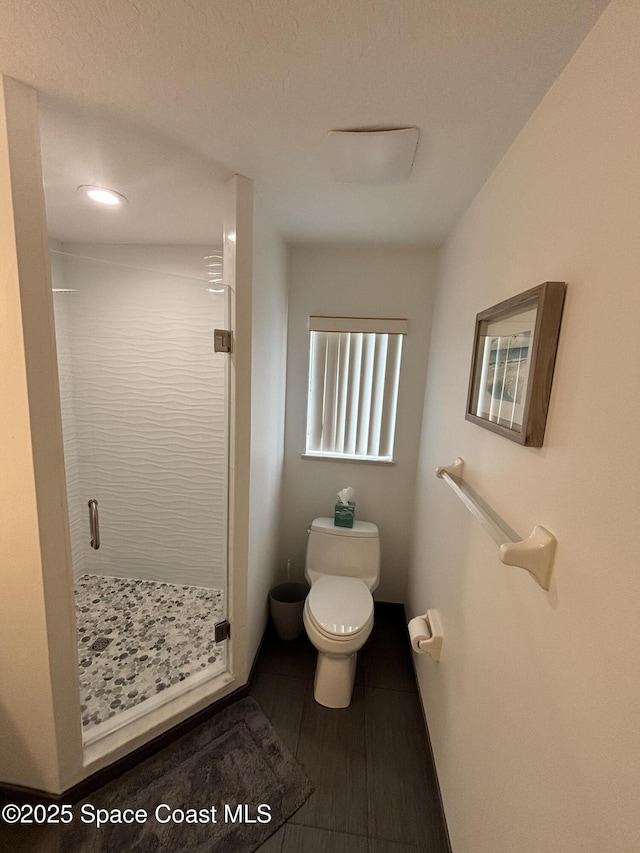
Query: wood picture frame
[514, 354]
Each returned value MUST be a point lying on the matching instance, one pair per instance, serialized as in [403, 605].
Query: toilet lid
[340, 605]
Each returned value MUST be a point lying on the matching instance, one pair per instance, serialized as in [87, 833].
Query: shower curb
[19, 795]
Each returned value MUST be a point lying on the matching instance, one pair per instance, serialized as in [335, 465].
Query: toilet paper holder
[425, 633]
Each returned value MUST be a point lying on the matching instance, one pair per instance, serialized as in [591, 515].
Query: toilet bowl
[342, 567]
[338, 618]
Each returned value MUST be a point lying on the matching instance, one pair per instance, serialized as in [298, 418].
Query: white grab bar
[535, 554]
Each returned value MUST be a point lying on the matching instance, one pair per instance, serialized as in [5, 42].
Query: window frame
[357, 392]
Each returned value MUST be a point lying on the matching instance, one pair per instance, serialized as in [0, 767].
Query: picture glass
[503, 359]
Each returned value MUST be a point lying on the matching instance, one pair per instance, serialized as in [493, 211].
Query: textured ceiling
[210, 87]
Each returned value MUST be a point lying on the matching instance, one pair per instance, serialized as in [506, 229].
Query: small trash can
[285, 605]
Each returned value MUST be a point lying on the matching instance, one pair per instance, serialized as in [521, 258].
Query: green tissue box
[344, 514]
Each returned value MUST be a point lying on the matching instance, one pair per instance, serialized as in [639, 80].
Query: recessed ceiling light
[102, 195]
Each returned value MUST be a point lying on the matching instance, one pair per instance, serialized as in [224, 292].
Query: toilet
[343, 568]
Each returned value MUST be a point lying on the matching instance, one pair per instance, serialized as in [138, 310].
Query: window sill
[331, 457]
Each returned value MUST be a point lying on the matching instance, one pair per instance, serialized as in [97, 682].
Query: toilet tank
[347, 551]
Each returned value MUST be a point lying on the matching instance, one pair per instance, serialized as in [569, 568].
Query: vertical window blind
[354, 374]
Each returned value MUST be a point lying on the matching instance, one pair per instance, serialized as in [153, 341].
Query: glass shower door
[145, 421]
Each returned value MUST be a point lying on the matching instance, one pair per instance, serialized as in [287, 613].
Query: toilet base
[333, 683]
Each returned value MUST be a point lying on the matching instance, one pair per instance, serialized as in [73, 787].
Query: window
[354, 373]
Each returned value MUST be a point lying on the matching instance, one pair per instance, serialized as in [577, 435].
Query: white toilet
[343, 568]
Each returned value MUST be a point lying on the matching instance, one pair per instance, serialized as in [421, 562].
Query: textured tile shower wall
[144, 419]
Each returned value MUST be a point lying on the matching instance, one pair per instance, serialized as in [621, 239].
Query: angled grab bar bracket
[454, 470]
[534, 554]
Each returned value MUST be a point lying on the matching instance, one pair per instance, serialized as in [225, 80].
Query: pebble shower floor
[160, 634]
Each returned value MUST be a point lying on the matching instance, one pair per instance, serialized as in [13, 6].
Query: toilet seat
[340, 607]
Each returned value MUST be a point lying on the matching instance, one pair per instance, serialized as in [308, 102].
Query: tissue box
[344, 514]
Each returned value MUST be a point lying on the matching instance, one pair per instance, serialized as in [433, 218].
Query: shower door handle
[94, 523]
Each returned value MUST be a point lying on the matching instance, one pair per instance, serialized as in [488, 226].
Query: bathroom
[145, 406]
[532, 709]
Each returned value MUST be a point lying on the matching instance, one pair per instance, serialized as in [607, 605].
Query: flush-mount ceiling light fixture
[102, 195]
[372, 156]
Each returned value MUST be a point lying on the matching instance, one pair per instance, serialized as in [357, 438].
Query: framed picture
[514, 353]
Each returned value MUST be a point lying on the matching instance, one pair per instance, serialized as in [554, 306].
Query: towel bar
[535, 554]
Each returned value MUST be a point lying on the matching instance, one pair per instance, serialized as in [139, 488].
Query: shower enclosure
[145, 420]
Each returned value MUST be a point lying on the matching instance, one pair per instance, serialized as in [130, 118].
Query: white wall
[268, 368]
[534, 708]
[41, 739]
[370, 281]
[145, 412]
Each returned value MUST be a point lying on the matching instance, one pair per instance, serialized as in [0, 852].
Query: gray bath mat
[235, 764]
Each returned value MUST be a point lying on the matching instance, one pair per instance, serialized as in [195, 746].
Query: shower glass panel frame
[145, 411]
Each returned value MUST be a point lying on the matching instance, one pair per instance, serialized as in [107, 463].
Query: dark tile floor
[375, 785]
[370, 764]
